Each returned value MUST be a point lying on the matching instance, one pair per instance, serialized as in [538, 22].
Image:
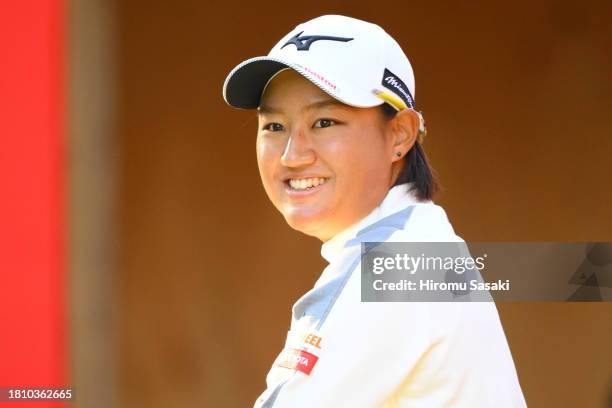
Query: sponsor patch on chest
[301, 352]
[299, 360]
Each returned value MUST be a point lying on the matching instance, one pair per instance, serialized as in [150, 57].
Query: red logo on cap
[321, 78]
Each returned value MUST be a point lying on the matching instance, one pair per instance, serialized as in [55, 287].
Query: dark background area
[517, 101]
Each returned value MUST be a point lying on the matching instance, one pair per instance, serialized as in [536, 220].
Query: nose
[298, 151]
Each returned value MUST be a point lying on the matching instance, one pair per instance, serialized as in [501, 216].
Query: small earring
[398, 154]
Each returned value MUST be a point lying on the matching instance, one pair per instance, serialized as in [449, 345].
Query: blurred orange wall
[516, 97]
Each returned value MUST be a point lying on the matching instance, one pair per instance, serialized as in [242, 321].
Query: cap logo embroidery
[397, 86]
[304, 43]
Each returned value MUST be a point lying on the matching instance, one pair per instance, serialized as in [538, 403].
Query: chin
[308, 224]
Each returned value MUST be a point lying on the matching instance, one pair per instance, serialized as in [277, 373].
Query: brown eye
[274, 127]
[323, 123]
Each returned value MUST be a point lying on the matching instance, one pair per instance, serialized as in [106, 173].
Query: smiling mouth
[304, 184]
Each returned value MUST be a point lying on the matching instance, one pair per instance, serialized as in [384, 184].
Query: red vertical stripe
[32, 273]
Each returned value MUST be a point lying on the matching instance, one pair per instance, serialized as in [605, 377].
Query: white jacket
[341, 352]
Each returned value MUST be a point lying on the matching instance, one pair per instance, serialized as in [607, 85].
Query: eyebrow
[312, 106]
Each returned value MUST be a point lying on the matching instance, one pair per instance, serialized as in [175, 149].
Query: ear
[404, 128]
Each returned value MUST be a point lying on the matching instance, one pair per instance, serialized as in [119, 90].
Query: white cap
[354, 61]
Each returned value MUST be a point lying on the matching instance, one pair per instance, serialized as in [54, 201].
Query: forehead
[290, 87]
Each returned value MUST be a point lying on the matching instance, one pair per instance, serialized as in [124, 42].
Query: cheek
[265, 155]
[263, 158]
[360, 156]
[261, 153]
[268, 159]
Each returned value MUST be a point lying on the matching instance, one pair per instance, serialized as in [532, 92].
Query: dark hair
[416, 167]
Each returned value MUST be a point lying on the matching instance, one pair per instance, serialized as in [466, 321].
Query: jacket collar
[399, 197]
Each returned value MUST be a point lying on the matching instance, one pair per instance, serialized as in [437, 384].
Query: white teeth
[302, 184]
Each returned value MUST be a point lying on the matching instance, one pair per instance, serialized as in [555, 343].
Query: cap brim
[245, 84]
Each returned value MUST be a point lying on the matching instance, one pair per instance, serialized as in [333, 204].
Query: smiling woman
[339, 154]
[325, 165]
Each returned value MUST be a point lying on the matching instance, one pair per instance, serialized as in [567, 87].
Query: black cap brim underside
[245, 86]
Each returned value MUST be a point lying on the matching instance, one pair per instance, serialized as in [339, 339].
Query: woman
[339, 153]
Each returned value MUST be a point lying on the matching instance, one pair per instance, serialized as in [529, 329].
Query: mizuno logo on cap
[393, 83]
[304, 43]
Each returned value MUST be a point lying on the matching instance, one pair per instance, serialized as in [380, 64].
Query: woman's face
[324, 165]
